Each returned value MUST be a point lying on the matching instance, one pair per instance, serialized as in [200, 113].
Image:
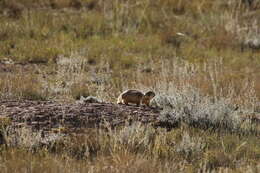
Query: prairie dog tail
[119, 99]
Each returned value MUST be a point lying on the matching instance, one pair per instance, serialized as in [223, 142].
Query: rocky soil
[49, 115]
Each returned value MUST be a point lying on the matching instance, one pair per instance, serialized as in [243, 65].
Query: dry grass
[21, 86]
[140, 36]
[132, 148]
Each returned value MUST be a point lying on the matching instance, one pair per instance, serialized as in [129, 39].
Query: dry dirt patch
[48, 115]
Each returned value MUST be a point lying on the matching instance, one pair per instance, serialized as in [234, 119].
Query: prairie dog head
[147, 97]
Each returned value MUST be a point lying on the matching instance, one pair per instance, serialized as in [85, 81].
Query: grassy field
[200, 52]
[214, 42]
[134, 148]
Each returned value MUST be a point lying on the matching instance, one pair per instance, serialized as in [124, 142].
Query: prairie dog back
[130, 96]
[135, 97]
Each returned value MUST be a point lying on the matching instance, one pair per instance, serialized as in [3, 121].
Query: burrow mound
[49, 115]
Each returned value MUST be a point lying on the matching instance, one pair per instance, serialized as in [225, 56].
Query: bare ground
[48, 115]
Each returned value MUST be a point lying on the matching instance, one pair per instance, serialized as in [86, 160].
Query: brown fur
[135, 97]
[147, 97]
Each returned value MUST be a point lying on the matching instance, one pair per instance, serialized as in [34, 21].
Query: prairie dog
[135, 97]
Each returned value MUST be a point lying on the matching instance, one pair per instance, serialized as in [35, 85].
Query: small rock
[6, 61]
[147, 70]
[90, 99]
[253, 43]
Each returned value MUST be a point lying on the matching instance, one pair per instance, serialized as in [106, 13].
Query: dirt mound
[49, 115]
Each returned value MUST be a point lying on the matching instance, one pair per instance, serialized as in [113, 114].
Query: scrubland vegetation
[202, 58]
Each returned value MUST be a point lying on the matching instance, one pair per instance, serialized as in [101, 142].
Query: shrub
[191, 107]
